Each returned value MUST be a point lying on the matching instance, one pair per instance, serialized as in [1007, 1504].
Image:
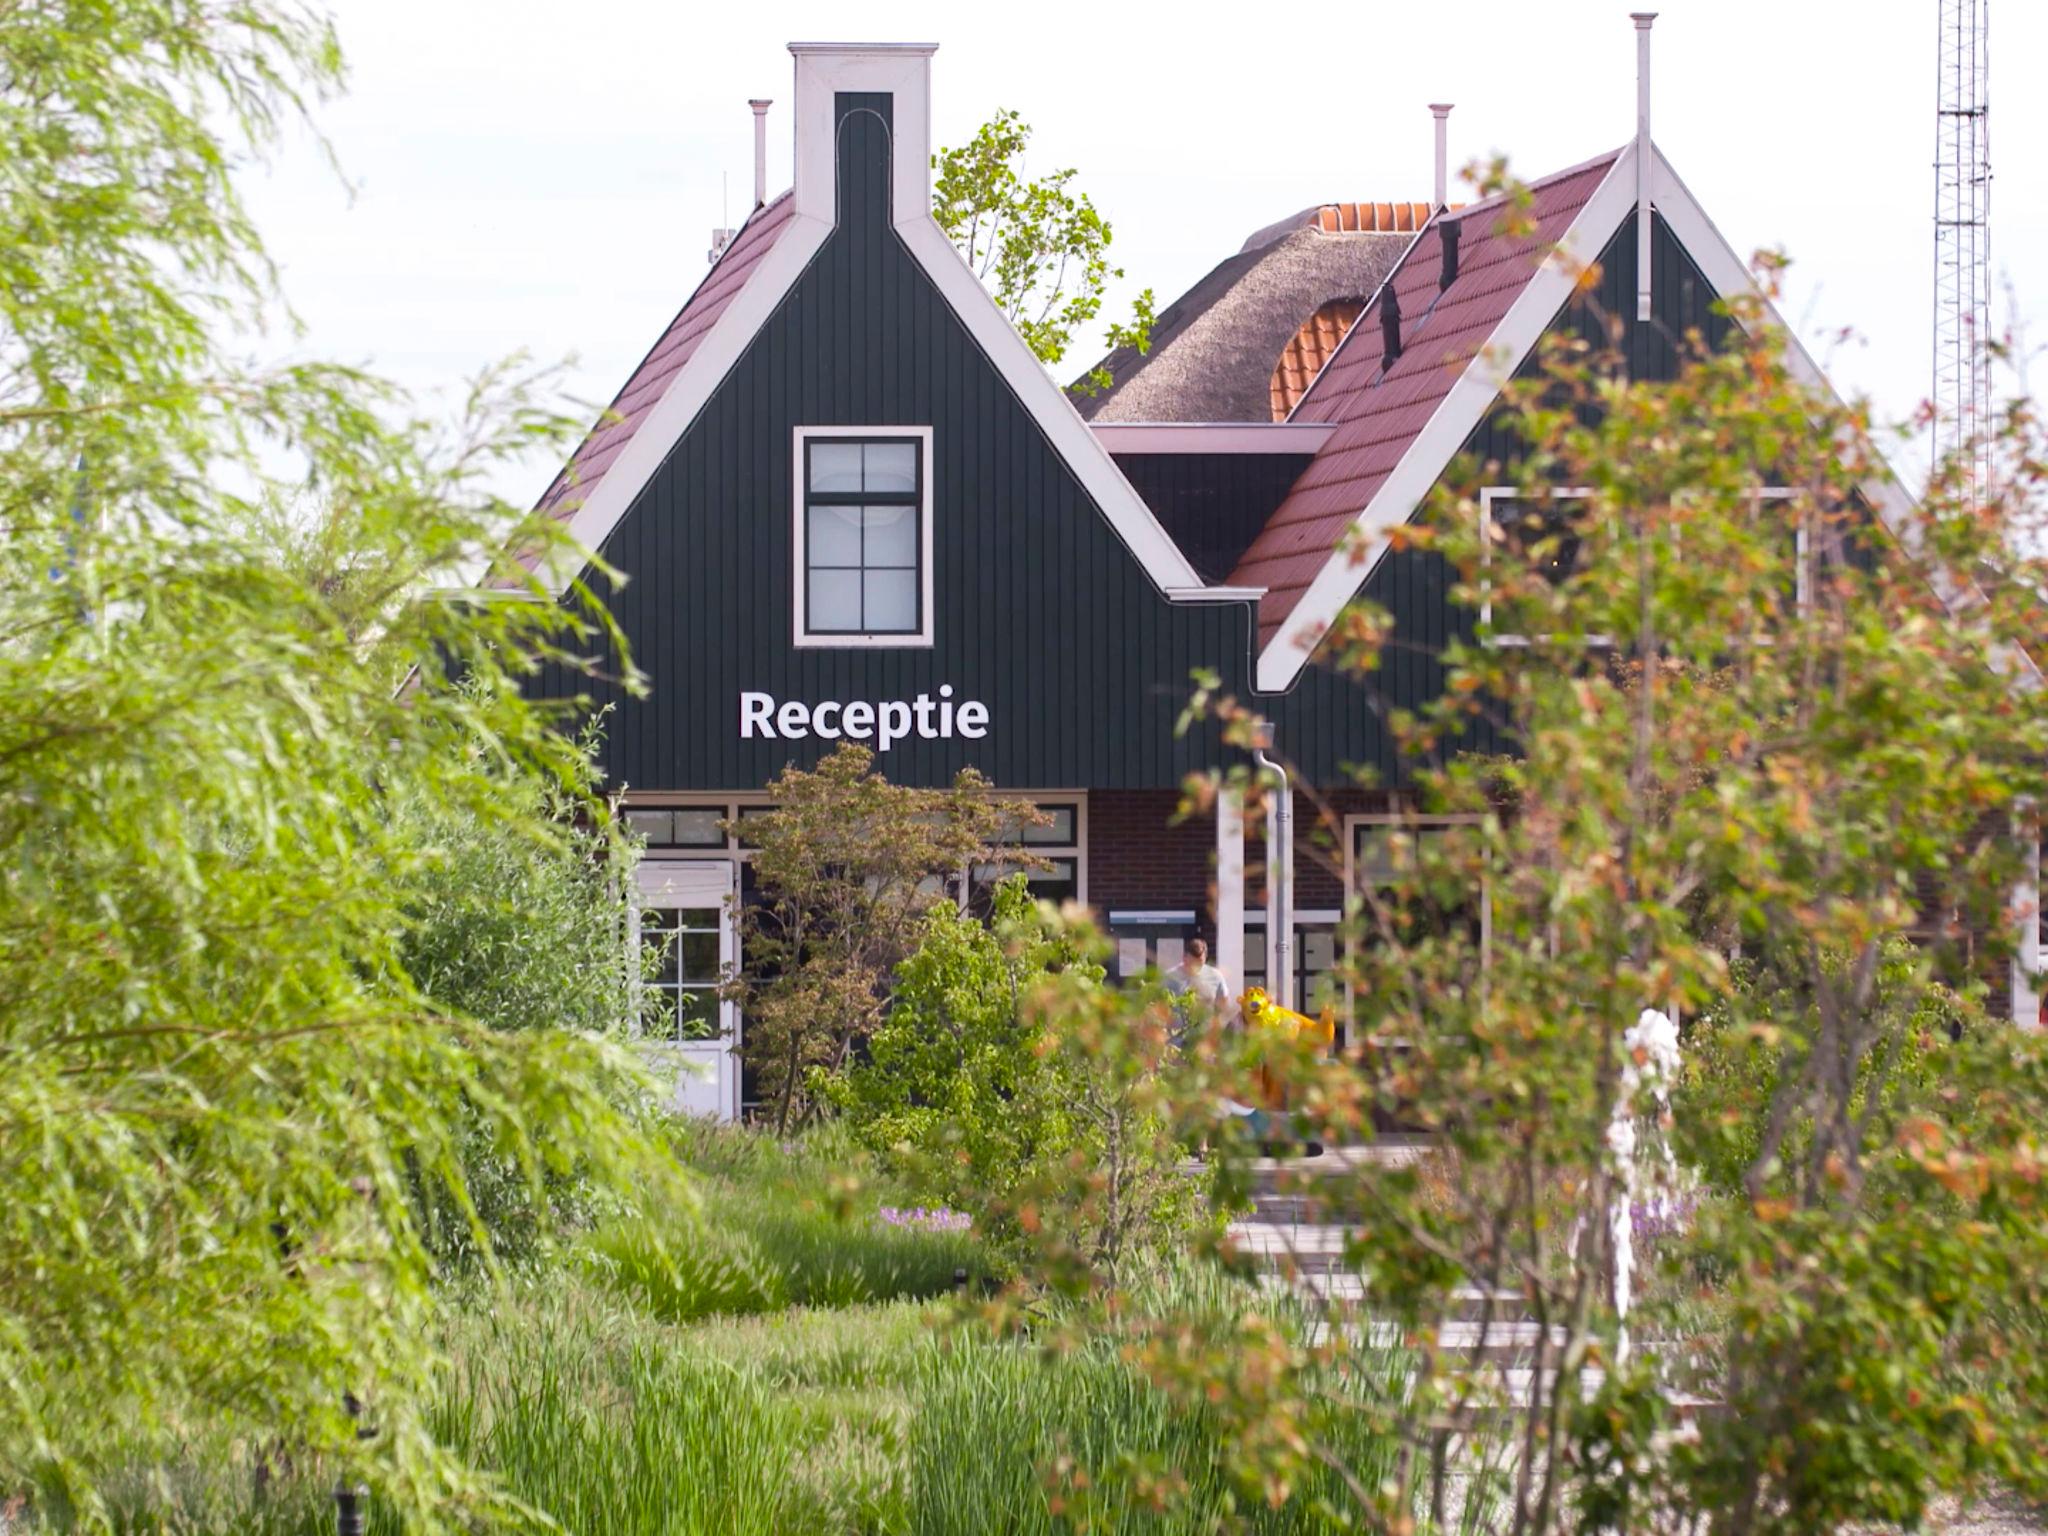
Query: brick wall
[1138, 857]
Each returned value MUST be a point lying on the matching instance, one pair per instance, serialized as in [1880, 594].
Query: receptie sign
[882, 721]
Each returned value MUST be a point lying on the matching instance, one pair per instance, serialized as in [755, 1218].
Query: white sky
[545, 177]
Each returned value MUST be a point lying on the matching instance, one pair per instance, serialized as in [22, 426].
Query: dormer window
[863, 536]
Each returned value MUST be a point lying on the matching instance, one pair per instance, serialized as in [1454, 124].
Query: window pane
[699, 828]
[658, 827]
[698, 956]
[891, 601]
[892, 536]
[835, 466]
[835, 600]
[696, 1014]
[1059, 831]
[892, 466]
[835, 536]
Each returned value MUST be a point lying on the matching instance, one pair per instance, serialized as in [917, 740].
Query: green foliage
[1734, 1053]
[517, 933]
[1041, 249]
[960, 1085]
[845, 866]
[1788, 728]
[894, 1418]
[222, 1085]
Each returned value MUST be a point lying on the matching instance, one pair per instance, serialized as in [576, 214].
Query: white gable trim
[823, 70]
[1454, 419]
[721, 347]
[1048, 404]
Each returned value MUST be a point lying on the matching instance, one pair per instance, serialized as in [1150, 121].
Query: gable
[1042, 611]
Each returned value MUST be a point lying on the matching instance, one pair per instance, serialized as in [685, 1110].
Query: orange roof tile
[1308, 349]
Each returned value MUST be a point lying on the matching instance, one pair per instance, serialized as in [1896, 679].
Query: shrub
[958, 1086]
[521, 935]
[1735, 1051]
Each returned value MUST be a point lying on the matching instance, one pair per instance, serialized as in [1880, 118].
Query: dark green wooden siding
[1213, 504]
[1041, 612]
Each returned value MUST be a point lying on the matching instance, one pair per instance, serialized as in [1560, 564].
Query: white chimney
[760, 150]
[902, 71]
[1642, 19]
[1441, 111]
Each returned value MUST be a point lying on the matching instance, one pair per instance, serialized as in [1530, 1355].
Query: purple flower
[1650, 1220]
[921, 1219]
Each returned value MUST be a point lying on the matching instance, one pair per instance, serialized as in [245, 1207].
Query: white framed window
[862, 536]
[688, 826]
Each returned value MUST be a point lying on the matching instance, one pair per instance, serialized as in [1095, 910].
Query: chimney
[1390, 328]
[1441, 111]
[720, 239]
[1642, 19]
[760, 150]
[1449, 231]
[900, 71]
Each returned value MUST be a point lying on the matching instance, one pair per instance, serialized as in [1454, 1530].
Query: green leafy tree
[846, 866]
[1040, 248]
[1747, 729]
[960, 1082]
[222, 1083]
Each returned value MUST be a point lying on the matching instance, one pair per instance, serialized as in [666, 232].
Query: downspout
[1280, 889]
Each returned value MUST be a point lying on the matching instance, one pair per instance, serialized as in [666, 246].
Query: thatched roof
[1214, 348]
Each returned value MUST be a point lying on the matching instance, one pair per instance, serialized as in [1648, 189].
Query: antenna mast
[1962, 239]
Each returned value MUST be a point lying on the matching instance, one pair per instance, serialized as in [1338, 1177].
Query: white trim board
[1212, 436]
[1422, 464]
[1348, 567]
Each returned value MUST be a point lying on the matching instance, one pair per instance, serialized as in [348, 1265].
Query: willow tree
[220, 1090]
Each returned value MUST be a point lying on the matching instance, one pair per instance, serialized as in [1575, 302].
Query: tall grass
[782, 1224]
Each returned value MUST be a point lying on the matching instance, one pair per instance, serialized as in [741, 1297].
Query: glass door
[686, 906]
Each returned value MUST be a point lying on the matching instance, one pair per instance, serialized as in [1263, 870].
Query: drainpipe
[1642, 19]
[1280, 889]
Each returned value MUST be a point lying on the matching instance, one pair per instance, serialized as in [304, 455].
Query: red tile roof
[650, 381]
[1306, 352]
[1369, 218]
[1378, 417]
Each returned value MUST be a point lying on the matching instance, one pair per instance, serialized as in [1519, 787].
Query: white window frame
[801, 636]
[730, 805]
[1488, 495]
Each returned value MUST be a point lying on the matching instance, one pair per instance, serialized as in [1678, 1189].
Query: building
[852, 504]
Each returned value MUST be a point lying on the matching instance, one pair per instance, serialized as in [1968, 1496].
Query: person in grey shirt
[1204, 987]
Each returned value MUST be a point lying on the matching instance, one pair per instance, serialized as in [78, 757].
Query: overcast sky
[545, 177]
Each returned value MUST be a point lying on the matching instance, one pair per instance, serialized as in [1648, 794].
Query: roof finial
[1642, 19]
